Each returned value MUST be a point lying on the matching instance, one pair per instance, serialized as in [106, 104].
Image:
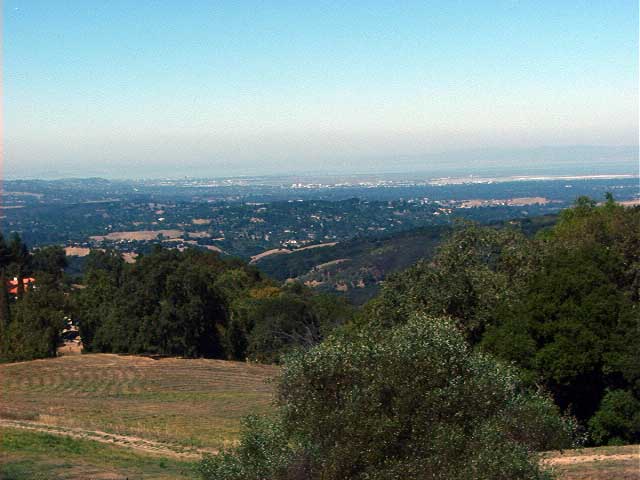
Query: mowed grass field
[170, 410]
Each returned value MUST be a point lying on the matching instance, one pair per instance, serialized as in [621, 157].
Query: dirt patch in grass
[603, 463]
[125, 441]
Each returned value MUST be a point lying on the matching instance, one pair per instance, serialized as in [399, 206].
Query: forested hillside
[356, 268]
[460, 367]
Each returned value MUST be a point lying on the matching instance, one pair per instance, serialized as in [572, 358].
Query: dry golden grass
[603, 463]
[77, 251]
[181, 401]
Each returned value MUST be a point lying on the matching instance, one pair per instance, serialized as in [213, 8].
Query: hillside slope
[188, 403]
[358, 266]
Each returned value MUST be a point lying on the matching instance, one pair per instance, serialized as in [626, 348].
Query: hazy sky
[162, 87]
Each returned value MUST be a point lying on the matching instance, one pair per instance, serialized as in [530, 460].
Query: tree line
[191, 304]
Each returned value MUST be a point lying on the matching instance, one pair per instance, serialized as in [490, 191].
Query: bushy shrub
[264, 453]
[618, 419]
[414, 403]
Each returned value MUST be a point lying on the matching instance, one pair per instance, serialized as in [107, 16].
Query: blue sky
[167, 87]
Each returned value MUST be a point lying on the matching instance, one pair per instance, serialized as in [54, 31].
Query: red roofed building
[13, 284]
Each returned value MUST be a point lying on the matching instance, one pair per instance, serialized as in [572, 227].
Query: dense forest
[196, 304]
[540, 332]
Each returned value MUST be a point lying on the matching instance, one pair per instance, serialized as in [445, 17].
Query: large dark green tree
[32, 317]
[577, 325]
[166, 303]
[37, 318]
[276, 321]
[564, 306]
[5, 316]
[51, 260]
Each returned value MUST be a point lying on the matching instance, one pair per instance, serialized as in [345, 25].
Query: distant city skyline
[146, 88]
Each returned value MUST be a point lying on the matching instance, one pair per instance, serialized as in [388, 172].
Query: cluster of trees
[192, 304]
[197, 304]
[32, 316]
[562, 306]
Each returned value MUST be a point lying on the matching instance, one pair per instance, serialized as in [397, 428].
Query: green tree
[274, 322]
[168, 302]
[37, 320]
[568, 322]
[5, 253]
[5, 316]
[51, 260]
[617, 421]
[475, 271]
[576, 326]
[415, 403]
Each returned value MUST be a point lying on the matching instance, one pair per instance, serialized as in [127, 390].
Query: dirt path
[126, 441]
[590, 458]
[623, 454]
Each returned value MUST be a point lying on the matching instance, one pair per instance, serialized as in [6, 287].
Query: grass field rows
[196, 403]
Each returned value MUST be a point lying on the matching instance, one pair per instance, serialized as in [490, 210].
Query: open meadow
[179, 403]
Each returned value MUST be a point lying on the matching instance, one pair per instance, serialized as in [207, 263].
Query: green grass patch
[26, 455]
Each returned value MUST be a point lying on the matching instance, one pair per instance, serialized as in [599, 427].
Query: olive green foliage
[475, 272]
[563, 306]
[194, 304]
[617, 421]
[264, 452]
[415, 403]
